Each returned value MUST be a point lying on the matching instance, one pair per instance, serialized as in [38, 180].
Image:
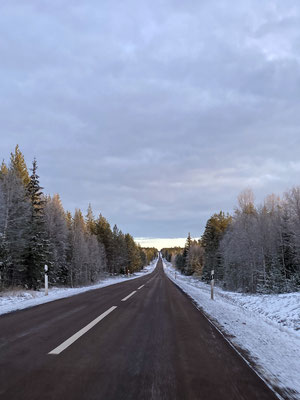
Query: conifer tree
[213, 234]
[13, 229]
[104, 235]
[57, 234]
[37, 253]
[17, 163]
[186, 268]
[79, 249]
[134, 262]
[90, 220]
[3, 170]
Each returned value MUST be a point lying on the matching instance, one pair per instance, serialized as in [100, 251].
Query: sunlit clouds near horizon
[157, 113]
[160, 243]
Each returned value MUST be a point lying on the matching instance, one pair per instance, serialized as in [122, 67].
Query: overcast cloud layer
[158, 113]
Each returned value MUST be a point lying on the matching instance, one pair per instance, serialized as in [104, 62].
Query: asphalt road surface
[154, 344]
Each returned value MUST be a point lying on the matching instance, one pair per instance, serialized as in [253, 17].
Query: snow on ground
[266, 326]
[20, 299]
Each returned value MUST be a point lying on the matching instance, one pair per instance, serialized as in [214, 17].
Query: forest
[36, 230]
[255, 250]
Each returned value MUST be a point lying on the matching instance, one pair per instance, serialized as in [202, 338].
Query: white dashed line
[127, 297]
[141, 287]
[82, 331]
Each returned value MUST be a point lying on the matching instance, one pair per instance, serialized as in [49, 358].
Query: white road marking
[141, 287]
[82, 331]
[127, 297]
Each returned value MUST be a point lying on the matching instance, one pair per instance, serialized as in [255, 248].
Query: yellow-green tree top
[17, 163]
[3, 169]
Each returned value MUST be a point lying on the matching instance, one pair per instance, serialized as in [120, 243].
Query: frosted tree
[78, 271]
[57, 234]
[38, 251]
[14, 228]
[96, 258]
[292, 199]
[240, 246]
[195, 258]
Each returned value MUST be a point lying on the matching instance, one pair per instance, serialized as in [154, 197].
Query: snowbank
[20, 299]
[265, 326]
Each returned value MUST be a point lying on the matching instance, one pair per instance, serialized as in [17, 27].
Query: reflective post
[212, 281]
[46, 280]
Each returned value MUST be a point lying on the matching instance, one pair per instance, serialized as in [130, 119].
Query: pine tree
[134, 259]
[37, 253]
[17, 164]
[213, 233]
[90, 220]
[3, 170]
[104, 235]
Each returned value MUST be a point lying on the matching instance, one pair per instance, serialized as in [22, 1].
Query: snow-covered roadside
[266, 326]
[20, 299]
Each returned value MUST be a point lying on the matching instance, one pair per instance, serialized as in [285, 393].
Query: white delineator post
[212, 281]
[46, 280]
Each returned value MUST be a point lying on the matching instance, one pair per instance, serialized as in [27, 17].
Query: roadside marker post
[212, 282]
[46, 280]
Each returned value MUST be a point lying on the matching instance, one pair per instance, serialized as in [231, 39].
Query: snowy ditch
[264, 328]
[21, 299]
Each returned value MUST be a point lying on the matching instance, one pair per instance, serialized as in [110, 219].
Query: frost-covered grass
[19, 299]
[264, 326]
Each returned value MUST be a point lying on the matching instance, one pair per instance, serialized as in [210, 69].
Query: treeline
[35, 230]
[257, 249]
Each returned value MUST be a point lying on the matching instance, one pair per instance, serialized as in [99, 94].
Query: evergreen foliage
[37, 248]
[260, 246]
[255, 250]
[213, 233]
[14, 225]
[18, 165]
[35, 230]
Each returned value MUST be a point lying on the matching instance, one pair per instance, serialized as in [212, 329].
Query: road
[154, 345]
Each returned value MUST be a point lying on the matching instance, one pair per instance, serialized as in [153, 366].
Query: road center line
[141, 287]
[82, 331]
[127, 297]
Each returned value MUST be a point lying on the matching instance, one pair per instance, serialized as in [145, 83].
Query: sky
[158, 113]
[161, 243]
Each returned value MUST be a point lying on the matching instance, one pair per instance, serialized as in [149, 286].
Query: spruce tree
[37, 253]
[186, 268]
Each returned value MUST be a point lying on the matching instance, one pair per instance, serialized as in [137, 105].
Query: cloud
[157, 113]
